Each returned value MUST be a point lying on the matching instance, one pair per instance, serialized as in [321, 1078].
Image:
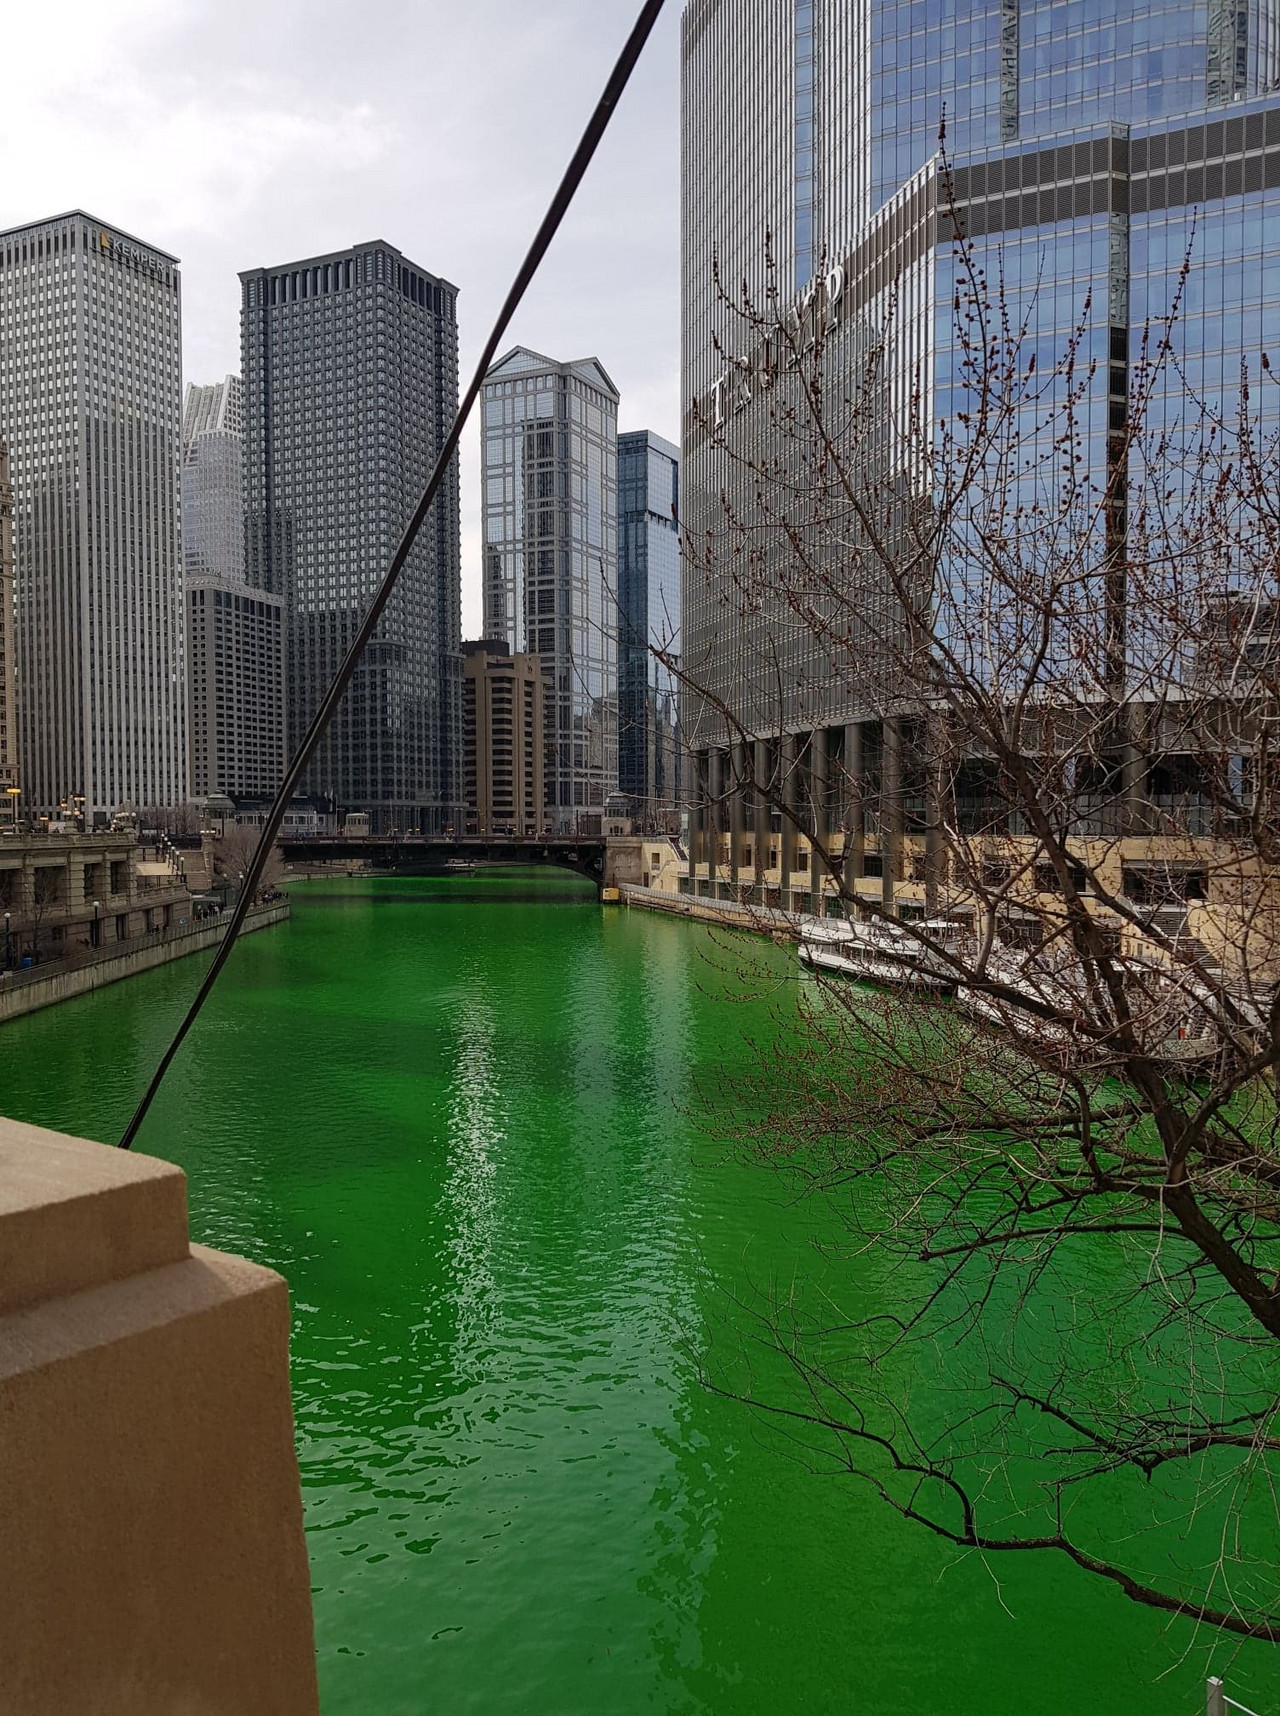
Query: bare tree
[48, 884]
[183, 818]
[232, 852]
[1022, 672]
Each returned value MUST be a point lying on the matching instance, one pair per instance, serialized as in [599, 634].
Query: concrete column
[76, 898]
[789, 752]
[697, 811]
[819, 774]
[853, 807]
[1135, 811]
[151, 1546]
[715, 814]
[761, 810]
[737, 810]
[934, 810]
[890, 811]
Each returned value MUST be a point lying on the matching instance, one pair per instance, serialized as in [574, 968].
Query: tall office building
[9, 788]
[550, 456]
[213, 480]
[503, 740]
[215, 406]
[1088, 150]
[350, 365]
[235, 633]
[649, 622]
[90, 401]
[235, 671]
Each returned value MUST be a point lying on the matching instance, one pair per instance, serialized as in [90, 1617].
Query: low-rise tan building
[503, 740]
[64, 895]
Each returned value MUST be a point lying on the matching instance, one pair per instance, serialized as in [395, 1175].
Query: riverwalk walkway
[729, 914]
[45, 985]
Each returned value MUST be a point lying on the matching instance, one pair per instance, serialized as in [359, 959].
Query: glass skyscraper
[649, 620]
[830, 149]
[550, 473]
[350, 368]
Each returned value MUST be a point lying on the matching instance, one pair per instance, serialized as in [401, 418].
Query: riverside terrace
[430, 855]
[64, 894]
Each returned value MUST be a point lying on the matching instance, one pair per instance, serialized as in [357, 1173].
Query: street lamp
[96, 938]
[8, 952]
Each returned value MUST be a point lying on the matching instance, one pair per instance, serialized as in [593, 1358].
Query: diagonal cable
[574, 173]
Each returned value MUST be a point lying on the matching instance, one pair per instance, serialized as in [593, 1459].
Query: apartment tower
[90, 402]
[503, 740]
[350, 367]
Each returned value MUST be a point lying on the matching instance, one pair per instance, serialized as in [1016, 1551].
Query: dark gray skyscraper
[350, 367]
[649, 620]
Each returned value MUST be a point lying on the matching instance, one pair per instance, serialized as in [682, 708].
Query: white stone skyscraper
[9, 786]
[90, 401]
[218, 405]
[213, 480]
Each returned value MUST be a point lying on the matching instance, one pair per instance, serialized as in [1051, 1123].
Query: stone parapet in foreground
[151, 1546]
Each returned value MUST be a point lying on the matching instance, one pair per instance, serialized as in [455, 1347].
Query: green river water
[456, 1115]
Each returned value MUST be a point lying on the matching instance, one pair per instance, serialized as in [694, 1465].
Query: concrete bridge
[437, 855]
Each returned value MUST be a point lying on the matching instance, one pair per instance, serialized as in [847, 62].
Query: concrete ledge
[151, 1545]
[729, 914]
[75, 1215]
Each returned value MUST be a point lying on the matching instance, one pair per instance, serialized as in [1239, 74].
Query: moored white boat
[882, 952]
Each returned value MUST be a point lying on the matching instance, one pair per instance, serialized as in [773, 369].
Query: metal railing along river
[1216, 1702]
[20, 977]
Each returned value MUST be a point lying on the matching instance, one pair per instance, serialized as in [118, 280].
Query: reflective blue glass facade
[929, 63]
[549, 457]
[1087, 148]
[649, 621]
[999, 71]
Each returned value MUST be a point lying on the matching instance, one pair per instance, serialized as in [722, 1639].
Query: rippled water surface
[458, 1116]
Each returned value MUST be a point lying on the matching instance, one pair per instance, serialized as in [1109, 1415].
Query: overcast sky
[237, 133]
